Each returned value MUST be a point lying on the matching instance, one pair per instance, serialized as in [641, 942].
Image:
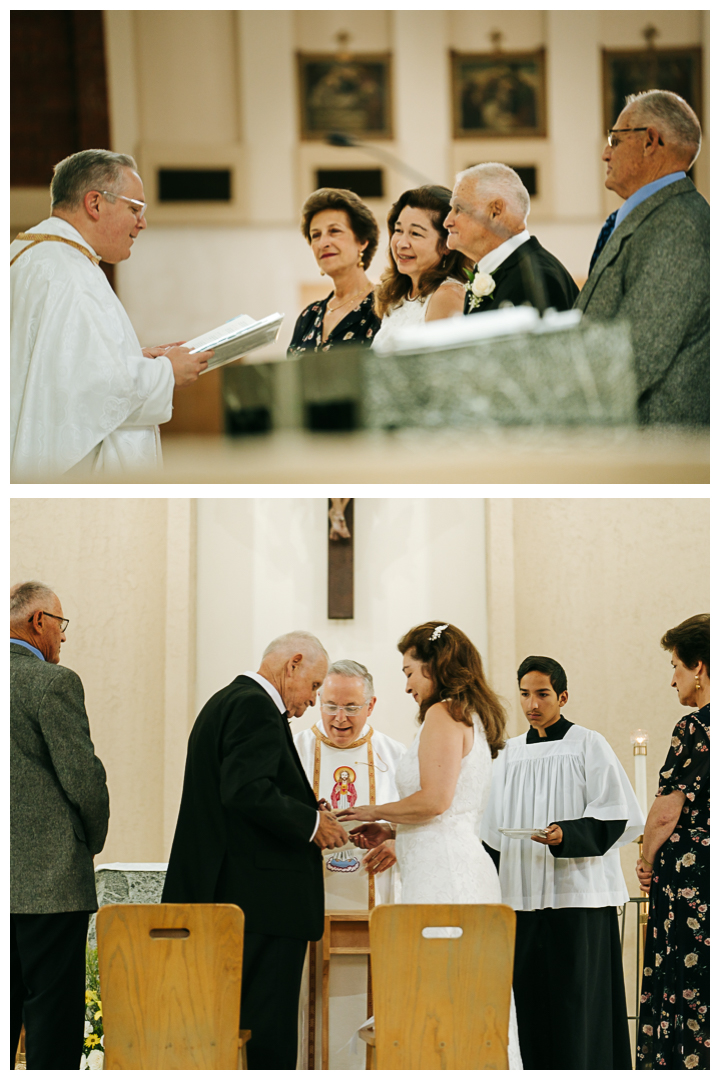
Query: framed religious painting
[498, 94]
[630, 71]
[351, 95]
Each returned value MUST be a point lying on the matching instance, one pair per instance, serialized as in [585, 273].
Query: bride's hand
[370, 836]
[357, 813]
[380, 858]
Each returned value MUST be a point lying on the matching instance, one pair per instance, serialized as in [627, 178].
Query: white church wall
[264, 562]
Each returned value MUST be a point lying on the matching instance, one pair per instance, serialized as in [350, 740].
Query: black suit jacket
[246, 816]
[530, 274]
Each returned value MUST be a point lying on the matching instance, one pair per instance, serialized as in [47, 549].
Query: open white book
[236, 338]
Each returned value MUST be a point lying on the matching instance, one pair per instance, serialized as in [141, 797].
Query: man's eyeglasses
[612, 141]
[349, 710]
[137, 207]
[63, 622]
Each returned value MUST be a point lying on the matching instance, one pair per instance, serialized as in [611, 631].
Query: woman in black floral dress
[675, 866]
[343, 235]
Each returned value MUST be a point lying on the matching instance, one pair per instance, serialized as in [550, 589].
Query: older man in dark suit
[488, 222]
[250, 833]
[58, 820]
[651, 264]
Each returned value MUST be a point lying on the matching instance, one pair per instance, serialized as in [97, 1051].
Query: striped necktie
[605, 234]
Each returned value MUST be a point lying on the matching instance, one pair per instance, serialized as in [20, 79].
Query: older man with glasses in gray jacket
[59, 813]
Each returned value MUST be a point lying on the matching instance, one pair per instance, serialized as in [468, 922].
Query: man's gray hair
[672, 116]
[27, 598]
[297, 641]
[493, 178]
[88, 170]
[350, 669]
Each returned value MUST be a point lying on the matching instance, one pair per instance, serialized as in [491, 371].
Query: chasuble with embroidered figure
[360, 774]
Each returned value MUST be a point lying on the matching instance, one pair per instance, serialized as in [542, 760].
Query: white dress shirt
[495, 258]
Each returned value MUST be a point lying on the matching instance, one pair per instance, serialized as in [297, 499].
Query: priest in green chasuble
[348, 763]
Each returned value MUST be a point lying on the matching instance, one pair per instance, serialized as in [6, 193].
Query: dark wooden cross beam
[340, 559]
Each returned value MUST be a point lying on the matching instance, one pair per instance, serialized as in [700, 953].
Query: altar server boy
[566, 885]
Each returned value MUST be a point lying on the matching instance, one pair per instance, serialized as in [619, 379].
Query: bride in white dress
[424, 279]
[444, 782]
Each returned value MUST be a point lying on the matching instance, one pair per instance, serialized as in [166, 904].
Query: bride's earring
[322, 273]
[697, 683]
[360, 259]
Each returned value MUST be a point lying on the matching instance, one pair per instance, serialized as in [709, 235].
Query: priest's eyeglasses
[138, 208]
[612, 141]
[63, 622]
[349, 710]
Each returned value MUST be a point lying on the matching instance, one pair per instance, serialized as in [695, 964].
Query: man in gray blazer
[58, 820]
[651, 265]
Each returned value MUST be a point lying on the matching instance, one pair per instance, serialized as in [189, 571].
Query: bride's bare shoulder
[439, 713]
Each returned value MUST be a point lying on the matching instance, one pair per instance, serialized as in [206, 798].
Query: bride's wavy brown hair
[455, 667]
[394, 286]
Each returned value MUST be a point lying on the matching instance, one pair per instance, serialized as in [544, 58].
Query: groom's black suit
[530, 274]
[243, 837]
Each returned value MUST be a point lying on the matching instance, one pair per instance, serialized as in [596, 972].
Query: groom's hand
[370, 835]
[329, 833]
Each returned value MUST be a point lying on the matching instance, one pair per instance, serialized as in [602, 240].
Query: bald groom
[250, 833]
[488, 222]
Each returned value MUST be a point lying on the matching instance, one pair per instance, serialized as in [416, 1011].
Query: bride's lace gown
[443, 861]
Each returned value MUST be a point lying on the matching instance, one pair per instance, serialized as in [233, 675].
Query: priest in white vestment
[85, 398]
[348, 763]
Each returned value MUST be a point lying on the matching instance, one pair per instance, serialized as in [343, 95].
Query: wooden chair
[441, 1002]
[170, 979]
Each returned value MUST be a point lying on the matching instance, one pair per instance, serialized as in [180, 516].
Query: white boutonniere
[478, 286]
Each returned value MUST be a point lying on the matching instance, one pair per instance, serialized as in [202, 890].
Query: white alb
[82, 395]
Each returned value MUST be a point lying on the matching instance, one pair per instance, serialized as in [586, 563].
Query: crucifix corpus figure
[340, 559]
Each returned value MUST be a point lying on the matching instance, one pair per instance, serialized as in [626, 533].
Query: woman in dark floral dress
[343, 235]
[674, 1018]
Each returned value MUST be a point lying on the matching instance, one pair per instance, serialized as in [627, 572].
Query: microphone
[342, 138]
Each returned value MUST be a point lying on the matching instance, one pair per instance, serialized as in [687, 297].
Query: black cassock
[568, 977]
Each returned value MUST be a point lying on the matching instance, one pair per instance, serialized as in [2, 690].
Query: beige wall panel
[624, 29]
[106, 558]
[315, 31]
[470, 30]
[597, 583]
[187, 76]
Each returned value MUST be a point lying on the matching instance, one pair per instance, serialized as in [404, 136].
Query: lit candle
[639, 740]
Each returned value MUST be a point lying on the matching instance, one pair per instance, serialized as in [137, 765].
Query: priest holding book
[85, 398]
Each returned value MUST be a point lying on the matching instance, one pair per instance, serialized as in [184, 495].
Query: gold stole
[320, 738]
[38, 238]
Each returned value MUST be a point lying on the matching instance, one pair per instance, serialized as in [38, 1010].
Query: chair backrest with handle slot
[170, 980]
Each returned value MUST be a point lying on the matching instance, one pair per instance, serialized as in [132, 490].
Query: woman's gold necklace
[345, 302]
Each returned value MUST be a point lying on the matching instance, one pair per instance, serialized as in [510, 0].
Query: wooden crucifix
[340, 559]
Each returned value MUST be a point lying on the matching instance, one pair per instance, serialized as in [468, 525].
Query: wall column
[575, 112]
[500, 565]
[422, 93]
[180, 643]
[267, 89]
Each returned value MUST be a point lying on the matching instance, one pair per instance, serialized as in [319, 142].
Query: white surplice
[578, 776]
[82, 395]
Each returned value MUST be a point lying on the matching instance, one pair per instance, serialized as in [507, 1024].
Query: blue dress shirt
[27, 645]
[644, 193]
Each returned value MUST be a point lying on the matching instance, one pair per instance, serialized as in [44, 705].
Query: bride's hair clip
[438, 631]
